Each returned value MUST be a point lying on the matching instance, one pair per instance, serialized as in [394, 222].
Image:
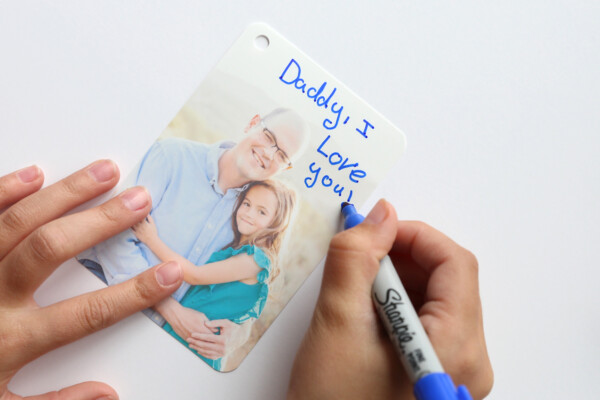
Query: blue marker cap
[439, 386]
[351, 216]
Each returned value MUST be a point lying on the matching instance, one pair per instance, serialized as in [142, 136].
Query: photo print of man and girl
[219, 211]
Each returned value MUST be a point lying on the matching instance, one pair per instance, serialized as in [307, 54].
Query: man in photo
[194, 188]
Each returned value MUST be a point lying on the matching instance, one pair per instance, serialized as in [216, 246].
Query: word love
[341, 163]
[291, 75]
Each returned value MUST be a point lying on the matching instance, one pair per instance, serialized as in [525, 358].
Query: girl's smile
[256, 211]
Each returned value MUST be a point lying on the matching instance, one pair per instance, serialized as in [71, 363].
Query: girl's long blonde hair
[270, 238]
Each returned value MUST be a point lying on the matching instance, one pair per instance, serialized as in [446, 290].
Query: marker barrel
[403, 324]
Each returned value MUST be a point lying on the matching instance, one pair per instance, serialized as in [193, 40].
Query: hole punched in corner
[261, 42]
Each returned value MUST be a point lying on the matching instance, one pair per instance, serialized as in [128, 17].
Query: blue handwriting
[291, 75]
[367, 126]
[342, 163]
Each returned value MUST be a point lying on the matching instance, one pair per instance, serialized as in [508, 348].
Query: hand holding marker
[405, 330]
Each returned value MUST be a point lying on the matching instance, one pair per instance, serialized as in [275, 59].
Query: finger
[206, 337]
[37, 256]
[19, 184]
[413, 276]
[50, 203]
[204, 345]
[217, 324]
[354, 255]
[140, 225]
[69, 320]
[424, 244]
[137, 225]
[208, 350]
[81, 391]
[452, 269]
[211, 355]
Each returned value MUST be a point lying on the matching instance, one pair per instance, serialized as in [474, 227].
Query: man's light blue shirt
[192, 214]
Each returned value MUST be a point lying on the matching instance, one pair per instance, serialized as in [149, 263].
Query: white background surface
[499, 102]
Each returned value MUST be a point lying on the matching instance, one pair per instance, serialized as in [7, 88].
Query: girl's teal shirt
[235, 301]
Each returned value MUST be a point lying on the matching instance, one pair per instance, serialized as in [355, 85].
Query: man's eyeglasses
[268, 139]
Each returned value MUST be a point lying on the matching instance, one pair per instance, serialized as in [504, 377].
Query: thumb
[81, 391]
[353, 258]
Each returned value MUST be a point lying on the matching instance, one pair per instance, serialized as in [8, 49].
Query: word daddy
[291, 76]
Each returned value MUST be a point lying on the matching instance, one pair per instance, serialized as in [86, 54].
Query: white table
[499, 102]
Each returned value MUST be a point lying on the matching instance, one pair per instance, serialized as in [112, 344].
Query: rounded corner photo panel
[246, 184]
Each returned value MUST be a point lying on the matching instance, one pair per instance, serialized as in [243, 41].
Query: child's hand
[216, 344]
[346, 354]
[145, 230]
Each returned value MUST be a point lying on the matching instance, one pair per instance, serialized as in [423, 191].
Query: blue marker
[405, 330]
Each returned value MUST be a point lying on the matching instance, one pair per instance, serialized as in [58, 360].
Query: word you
[341, 163]
[292, 75]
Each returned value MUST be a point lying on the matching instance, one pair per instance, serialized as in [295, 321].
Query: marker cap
[439, 386]
[351, 216]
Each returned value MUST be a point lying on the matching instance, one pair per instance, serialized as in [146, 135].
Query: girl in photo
[234, 283]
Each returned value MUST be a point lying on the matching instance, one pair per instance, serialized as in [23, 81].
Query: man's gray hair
[292, 120]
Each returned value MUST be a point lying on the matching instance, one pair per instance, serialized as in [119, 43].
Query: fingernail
[106, 398]
[103, 171]
[29, 174]
[135, 198]
[168, 274]
[378, 213]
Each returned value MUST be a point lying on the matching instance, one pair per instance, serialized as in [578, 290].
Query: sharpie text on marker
[391, 306]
